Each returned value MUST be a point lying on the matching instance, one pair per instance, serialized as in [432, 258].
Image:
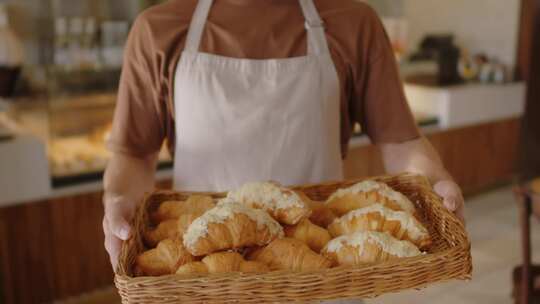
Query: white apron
[242, 120]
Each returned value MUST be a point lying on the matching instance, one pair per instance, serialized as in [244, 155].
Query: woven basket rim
[455, 251]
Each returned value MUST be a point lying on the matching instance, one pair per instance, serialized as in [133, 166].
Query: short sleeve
[380, 103]
[138, 126]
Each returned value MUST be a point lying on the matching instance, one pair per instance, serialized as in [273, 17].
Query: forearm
[128, 178]
[415, 156]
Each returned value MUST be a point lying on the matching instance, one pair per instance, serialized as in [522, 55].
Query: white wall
[489, 26]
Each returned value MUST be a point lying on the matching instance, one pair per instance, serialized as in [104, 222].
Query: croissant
[164, 259]
[195, 204]
[289, 254]
[321, 215]
[284, 205]
[230, 226]
[365, 194]
[367, 247]
[174, 228]
[399, 224]
[314, 236]
[222, 262]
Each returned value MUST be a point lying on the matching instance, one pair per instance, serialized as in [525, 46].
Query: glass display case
[74, 130]
[72, 114]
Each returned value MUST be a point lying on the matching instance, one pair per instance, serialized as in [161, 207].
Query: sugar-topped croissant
[367, 193]
[284, 205]
[367, 247]
[168, 229]
[399, 224]
[164, 259]
[314, 236]
[230, 226]
[321, 215]
[195, 204]
[222, 262]
[289, 254]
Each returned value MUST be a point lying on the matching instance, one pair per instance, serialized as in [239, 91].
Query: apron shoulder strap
[317, 42]
[196, 28]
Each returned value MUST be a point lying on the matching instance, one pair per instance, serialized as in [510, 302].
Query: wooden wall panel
[477, 156]
[53, 249]
[529, 13]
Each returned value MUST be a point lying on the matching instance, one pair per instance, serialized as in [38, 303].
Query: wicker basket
[449, 258]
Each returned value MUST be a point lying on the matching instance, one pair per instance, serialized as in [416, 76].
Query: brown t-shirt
[371, 90]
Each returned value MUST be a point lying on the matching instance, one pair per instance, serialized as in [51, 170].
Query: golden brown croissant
[164, 259]
[290, 254]
[230, 226]
[321, 215]
[169, 229]
[196, 204]
[399, 224]
[222, 262]
[284, 205]
[367, 247]
[365, 194]
[314, 236]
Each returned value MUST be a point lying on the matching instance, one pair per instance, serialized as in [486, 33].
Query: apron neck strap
[317, 42]
[196, 28]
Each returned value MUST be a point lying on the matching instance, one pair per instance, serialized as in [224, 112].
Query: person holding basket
[257, 90]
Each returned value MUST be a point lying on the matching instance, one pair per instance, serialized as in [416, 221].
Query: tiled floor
[492, 222]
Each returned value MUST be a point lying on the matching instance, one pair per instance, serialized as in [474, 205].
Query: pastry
[321, 215]
[284, 205]
[230, 226]
[164, 259]
[367, 247]
[399, 224]
[168, 229]
[289, 254]
[195, 204]
[314, 236]
[222, 262]
[365, 194]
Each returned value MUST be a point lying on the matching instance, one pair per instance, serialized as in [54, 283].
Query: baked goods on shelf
[399, 224]
[289, 254]
[367, 193]
[314, 236]
[195, 204]
[321, 215]
[229, 226]
[169, 229]
[367, 247]
[164, 259]
[222, 262]
[284, 205]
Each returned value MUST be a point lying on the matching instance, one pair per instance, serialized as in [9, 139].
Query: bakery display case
[79, 127]
[73, 82]
[74, 129]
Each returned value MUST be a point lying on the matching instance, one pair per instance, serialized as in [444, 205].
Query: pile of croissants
[263, 226]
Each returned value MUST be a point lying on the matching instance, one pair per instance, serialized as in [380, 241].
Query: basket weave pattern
[448, 258]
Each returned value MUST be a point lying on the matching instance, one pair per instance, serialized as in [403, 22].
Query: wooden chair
[526, 276]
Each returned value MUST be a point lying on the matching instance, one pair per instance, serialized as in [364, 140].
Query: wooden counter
[53, 249]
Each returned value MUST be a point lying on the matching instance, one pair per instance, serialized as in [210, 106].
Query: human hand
[452, 197]
[116, 227]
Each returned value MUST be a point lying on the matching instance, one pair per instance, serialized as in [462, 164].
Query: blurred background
[471, 74]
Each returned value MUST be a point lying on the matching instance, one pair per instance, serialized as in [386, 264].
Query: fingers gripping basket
[449, 258]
